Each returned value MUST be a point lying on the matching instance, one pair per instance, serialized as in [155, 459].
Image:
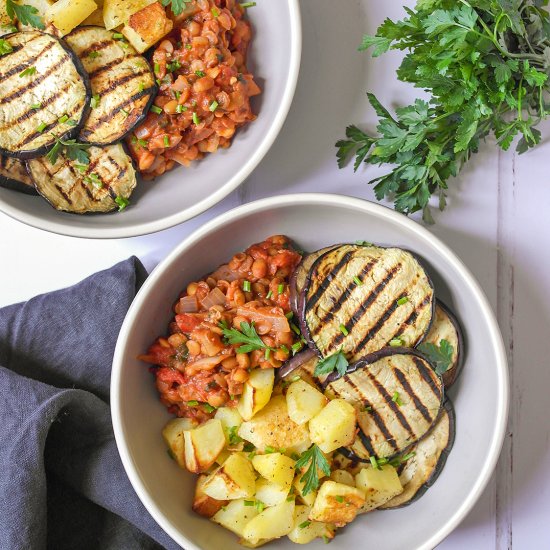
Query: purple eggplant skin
[452, 373]
[447, 406]
[301, 313]
[72, 131]
[294, 363]
[14, 176]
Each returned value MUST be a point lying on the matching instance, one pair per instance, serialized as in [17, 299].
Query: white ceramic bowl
[313, 221]
[186, 192]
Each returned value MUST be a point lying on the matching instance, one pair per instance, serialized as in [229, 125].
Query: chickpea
[176, 340]
[192, 289]
[240, 375]
[243, 360]
[229, 363]
[259, 268]
[193, 347]
[216, 399]
[239, 298]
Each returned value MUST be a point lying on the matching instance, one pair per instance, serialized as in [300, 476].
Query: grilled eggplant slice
[96, 187]
[447, 327]
[299, 277]
[361, 298]
[44, 94]
[14, 176]
[123, 84]
[419, 473]
[398, 397]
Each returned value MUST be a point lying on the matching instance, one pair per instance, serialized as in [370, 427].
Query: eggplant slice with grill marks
[360, 298]
[76, 188]
[419, 473]
[446, 327]
[14, 176]
[44, 94]
[398, 397]
[123, 84]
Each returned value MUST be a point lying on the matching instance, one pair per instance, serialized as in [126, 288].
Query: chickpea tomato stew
[236, 319]
[204, 88]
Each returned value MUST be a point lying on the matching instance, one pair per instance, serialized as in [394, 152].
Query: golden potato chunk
[173, 436]
[270, 493]
[334, 426]
[343, 476]
[276, 468]
[304, 401]
[306, 530]
[272, 523]
[203, 504]
[234, 479]
[256, 392]
[378, 485]
[147, 26]
[117, 12]
[203, 445]
[337, 503]
[235, 516]
[65, 15]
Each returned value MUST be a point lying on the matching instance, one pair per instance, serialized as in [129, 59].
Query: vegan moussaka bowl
[237, 303]
[136, 122]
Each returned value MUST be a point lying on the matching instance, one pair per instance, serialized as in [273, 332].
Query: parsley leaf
[26, 15]
[337, 361]
[73, 150]
[316, 460]
[177, 6]
[440, 356]
[246, 336]
[486, 66]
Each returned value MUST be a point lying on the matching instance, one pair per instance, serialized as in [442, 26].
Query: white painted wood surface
[497, 221]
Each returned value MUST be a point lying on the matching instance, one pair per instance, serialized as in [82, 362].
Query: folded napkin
[62, 483]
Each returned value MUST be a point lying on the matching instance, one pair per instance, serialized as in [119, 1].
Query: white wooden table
[497, 221]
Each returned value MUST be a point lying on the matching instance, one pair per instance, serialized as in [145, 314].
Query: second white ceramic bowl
[313, 221]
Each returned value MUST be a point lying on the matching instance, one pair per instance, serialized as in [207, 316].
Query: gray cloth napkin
[62, 483]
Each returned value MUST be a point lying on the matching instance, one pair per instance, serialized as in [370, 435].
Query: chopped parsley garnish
[5, 47]
[304, 524]
[94, 102]
[156, 110]
[200, 74]
[267, 354]
[27, 72]
[192, 403]
[440, 356]
[377, 463]
[95, 180]
[74, 151]
[269, 295]
[357, 281]
[367, 408]
[337, 361]
[247, 336]
[296, 347]
[396, 342]
[284, 348]
[41, 127]
[269, 450]
[177, 6]
[316, 460]
[63, 119]
[339, 498]
[94, 54]
[156, 68]
[363, 243]
[396, 398]
[280, 289]
[196, 119]
[188, 47]
[174, 66]
[181, 109]
[26, 15]
[213, 106]
[141, 87]
[343, 330]
[208, 408]
[249, 503]
[247, 4]
[118, 36]
[81, 167]
[295, 329]
[246, 286]
[402, 300]
[233, 437]
[36, 106]
[289, 315]
[166, 141]
[122, 203]
[215, 12]
[125, 112]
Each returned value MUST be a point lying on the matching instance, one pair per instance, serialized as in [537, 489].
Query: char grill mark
[29, 61]
[410, 392]
[111, 64]
[427, 375]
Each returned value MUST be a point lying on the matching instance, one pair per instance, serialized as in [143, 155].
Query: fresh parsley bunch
[485, 64]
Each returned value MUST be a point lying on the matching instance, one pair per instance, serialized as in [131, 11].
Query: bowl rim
[254, 159]
[496, 341]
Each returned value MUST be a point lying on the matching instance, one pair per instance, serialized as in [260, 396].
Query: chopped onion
[269, 315]
[187, 304]
[224, 273]
[207, 363]
[214, 298]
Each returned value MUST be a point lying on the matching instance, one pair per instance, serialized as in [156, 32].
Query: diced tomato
[170, 376]
[161, 355]
[187, 322]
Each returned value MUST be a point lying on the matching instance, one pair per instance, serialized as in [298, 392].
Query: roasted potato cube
[378, 485]
[223, 456]
[147, 26]
[272, 523]
[306, 530]
[304, 401]
[41, 6]
[173, 436]
[337, 503]
[234, 479]
[276, 468]
[65, 15]
[235, 515]
[270, 493]
[231, 420]
[117, 12]
[343, 476]
[334, 426]
[298, 485]
[203, 504]
[95, 19]
[256, 392]
[203, 445]
[272, 427]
